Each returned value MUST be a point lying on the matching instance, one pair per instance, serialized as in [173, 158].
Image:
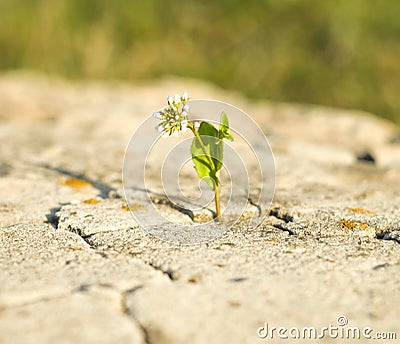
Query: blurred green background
[342, 53]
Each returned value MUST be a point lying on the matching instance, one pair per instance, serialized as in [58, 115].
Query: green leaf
[224, 132]
[224, 120]
[209, 136]
[207, 157]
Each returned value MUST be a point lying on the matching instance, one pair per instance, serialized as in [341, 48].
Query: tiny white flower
[196, 125]
[174, 116]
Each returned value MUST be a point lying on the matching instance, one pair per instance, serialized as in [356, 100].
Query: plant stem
[212, 166]
[216, 198]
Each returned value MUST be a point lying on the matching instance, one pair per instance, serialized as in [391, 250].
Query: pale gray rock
[95, 216]
[75, 266]
[93, 316]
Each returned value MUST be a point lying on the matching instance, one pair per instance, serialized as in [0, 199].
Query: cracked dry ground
[74, 266]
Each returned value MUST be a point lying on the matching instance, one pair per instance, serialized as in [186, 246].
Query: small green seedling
[207, 148]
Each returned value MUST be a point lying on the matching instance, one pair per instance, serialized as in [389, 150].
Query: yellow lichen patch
[353, 225]
[75, 183]
[133, 207]
[91, 201]
[362, 211]
[75, 248]
[201, 218]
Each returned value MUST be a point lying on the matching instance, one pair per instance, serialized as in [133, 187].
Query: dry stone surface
[75, 267]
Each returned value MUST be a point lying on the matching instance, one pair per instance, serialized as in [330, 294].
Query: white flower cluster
[174, 117]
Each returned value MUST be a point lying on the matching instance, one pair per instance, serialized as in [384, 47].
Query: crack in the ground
[84, 288]
[255, 205]
[35, 300]
[279, 214]
[167, 202]
[55, 221]
[395, 236]
[125, 310]
[293, 224]
[161, 199]
[52, 217]
[283, 228]
[166, 271]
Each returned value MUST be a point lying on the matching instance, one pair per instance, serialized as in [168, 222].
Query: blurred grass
[342, 53]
